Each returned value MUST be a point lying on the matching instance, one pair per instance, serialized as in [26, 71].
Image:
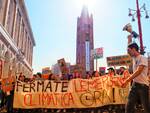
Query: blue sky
[54, 22]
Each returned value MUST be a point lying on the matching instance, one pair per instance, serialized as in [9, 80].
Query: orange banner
[76, 93]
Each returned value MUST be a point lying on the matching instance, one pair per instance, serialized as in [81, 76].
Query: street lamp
[137, 12]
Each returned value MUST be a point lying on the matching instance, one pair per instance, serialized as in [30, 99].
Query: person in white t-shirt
[140, 85]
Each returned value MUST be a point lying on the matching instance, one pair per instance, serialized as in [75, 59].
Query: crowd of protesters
[6, 100]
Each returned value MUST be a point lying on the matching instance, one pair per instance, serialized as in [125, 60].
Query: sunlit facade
[85, 41]
[16, 39]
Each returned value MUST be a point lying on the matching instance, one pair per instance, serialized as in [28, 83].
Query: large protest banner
[76, 93]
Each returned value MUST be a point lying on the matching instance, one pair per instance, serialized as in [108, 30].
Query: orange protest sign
[45, 76]
[76, 93]
[7, 84]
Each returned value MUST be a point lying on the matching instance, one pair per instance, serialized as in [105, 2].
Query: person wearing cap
[140, 85]
[111, 72]
[121, 70]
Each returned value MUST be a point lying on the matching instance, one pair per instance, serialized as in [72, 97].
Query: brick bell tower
[84, 43]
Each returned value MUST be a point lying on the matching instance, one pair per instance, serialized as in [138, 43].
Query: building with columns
[85, 43]
[16, 39]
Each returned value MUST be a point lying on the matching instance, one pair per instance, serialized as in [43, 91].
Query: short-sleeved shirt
[143, 77]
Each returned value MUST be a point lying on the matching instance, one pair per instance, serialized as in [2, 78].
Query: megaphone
[128, 28]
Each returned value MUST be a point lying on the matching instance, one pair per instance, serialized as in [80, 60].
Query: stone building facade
[16, 39]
